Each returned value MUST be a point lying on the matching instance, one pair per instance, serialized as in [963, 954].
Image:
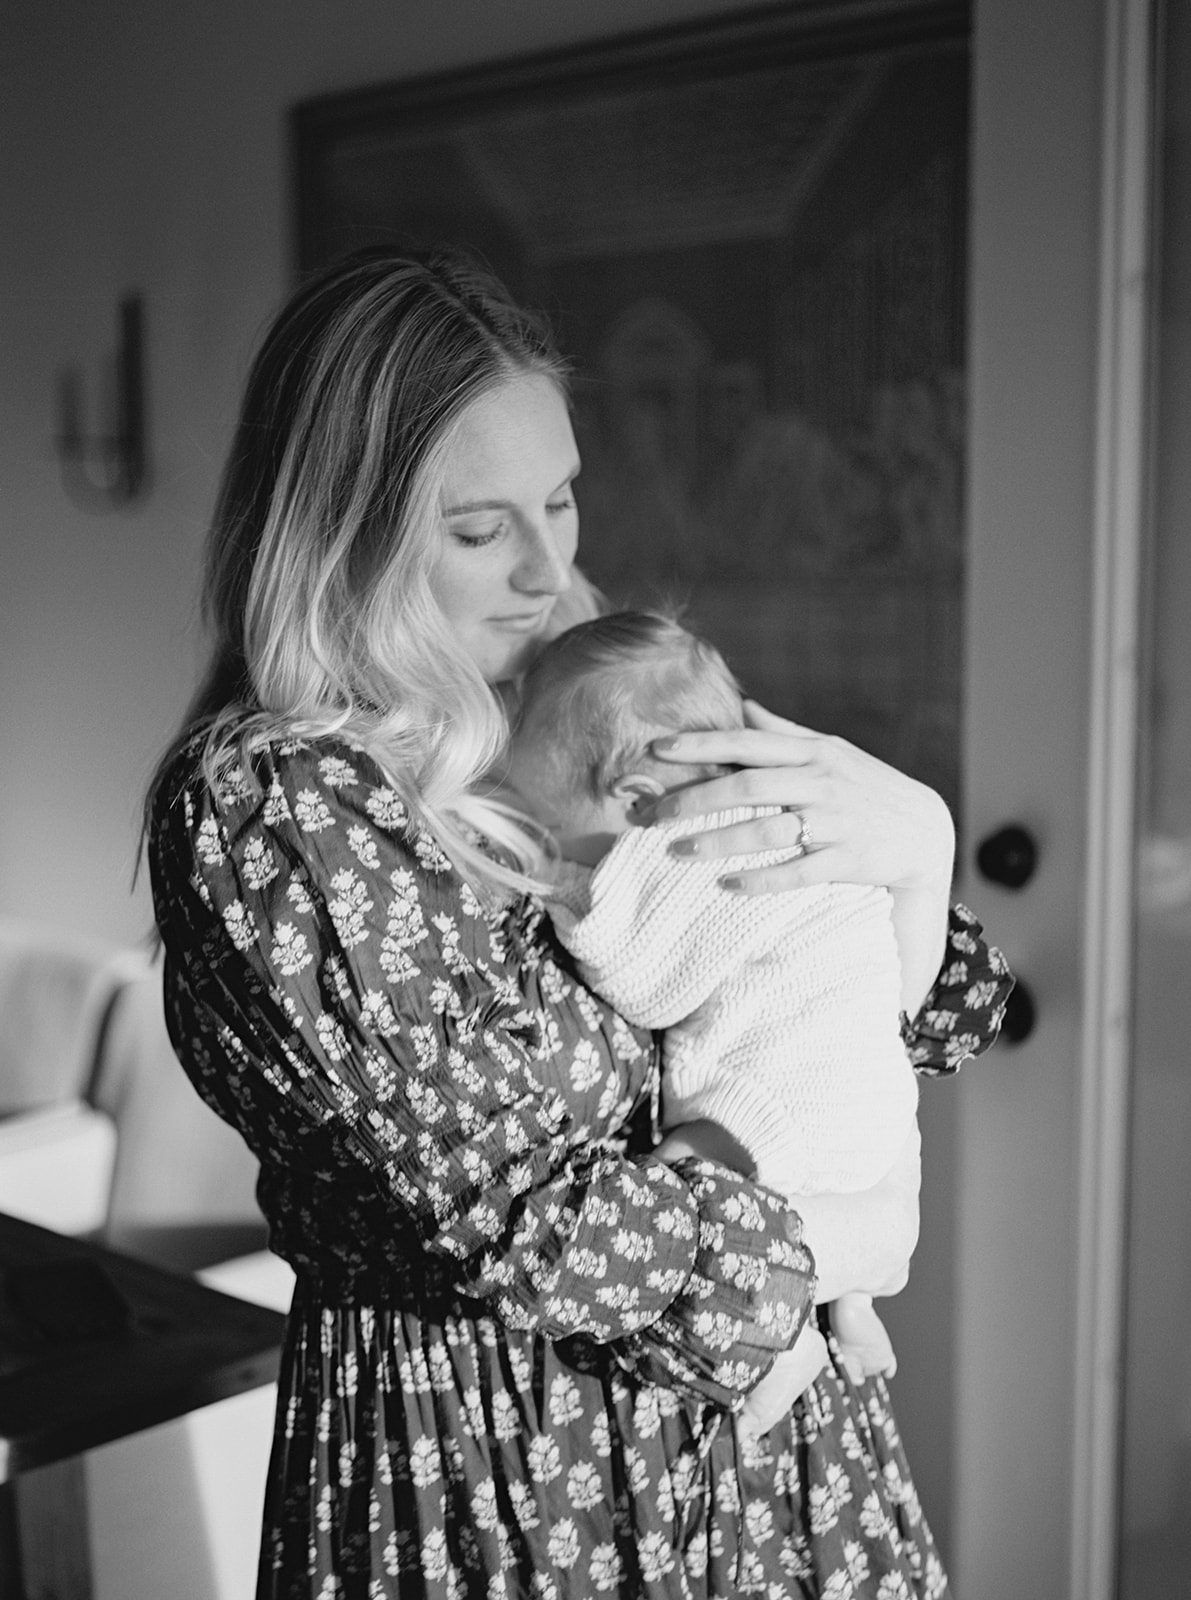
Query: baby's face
[584, 828]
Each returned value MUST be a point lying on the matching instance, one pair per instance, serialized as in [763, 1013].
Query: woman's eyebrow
[476, 505]
[466, 506]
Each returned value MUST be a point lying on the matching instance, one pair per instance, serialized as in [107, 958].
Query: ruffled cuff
[751, 1289]
[962, 1014]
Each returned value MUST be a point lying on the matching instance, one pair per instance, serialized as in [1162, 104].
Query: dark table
[94, 1346]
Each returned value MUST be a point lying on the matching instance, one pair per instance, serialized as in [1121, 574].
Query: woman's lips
[522, 622]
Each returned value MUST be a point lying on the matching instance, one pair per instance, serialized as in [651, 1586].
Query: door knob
[1020, 1014]
[1008, 856]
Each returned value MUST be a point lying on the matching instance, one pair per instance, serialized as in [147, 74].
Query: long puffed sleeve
[341, 996]
[962, 1014]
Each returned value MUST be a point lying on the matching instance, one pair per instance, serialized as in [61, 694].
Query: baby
[780, 1011]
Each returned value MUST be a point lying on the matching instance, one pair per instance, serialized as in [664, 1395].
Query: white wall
[144, 148]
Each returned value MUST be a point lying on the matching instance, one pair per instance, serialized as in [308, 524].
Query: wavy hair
[317, 582]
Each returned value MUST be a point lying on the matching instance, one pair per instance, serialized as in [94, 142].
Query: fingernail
[684, 847]
[666, 742]
[731, 883]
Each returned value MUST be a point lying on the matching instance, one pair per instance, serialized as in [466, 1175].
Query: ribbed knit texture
[780, 1010]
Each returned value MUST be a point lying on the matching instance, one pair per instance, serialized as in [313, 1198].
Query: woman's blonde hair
[317, 584]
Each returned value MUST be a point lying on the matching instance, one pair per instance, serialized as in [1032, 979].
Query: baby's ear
[639, 790]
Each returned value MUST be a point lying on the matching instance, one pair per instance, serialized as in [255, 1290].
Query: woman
[515, 1334]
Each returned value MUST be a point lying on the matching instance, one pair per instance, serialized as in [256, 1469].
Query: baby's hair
[603, 690]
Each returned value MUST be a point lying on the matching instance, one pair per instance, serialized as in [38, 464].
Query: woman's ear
[641, 790]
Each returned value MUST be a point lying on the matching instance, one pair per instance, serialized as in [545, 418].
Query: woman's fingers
[797, 874]
[785, 746]
[788, 829]
[754, 786]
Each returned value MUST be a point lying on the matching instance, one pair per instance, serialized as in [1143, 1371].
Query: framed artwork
[749, 235]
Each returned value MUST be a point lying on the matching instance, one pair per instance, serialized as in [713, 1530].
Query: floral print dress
[517, 1339]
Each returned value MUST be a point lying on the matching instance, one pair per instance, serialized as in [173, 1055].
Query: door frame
[1121, 511]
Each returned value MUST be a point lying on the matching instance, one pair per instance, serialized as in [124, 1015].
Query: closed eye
[474, 538]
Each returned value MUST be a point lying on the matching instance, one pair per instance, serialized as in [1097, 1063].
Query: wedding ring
[803, 842]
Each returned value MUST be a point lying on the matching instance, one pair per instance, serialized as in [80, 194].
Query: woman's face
[510, 528]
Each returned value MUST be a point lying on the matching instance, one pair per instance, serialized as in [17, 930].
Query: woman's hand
[866, 822]
[864, 1240]
[846, 817]
[790, 1375]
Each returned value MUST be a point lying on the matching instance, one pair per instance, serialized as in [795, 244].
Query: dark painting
[749, 236]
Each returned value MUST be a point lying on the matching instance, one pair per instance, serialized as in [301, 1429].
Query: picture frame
[749, 234]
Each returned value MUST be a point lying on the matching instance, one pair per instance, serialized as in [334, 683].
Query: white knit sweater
[780, 1010]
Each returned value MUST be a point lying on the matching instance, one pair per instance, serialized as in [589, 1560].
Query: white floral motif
[434, 1555]
[636, 1470]
[276, 807]
[337, 773]
[565, 1404]
[483, 1505]
[584, 1489]
[605, 1568]
[506, 1419]
[856, 1559]
[839, 1587]
[524, 1506]
[348, 907]
[563, 1546]
[758, 1519]
[377, 1014]
[545, 1462]
[291, 952]
[588, 1009]
[425, 1463]
[655, 1556]
[208, 843]
[298, 896]
[240, 924]
[260, 865]
[331, 1036]
[586, 1066]
[312, 812]
[601, 1435]
[625, 1042]
[363, 846]
[386, 809]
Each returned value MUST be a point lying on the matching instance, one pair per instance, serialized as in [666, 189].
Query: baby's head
[592, 703]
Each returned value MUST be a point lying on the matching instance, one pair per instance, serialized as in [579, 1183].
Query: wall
[144, 148]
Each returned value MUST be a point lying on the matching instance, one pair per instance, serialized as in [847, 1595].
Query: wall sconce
[106, 470]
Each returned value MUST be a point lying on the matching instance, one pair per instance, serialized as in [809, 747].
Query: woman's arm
[862, 1240]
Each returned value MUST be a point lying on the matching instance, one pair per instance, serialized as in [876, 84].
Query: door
[1062, 184]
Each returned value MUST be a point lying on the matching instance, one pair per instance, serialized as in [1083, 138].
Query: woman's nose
[543, 568]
